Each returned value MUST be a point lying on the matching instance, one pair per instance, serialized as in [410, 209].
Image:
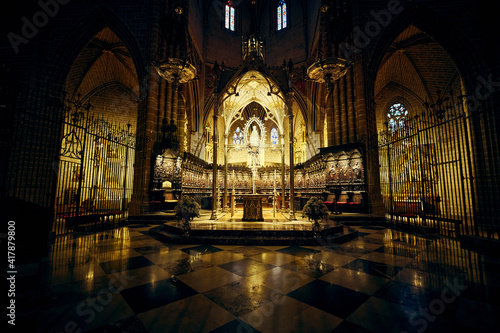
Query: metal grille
[441, 171]
[95, 174]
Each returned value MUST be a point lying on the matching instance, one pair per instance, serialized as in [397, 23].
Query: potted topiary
[187, 209]
[315, 210]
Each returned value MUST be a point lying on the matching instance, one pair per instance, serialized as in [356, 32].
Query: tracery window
[281, 15]
[397, 123]
[229, 16]
[274, 136]
[238, 136]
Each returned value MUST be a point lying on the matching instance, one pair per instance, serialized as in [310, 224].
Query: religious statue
[178, 167]
[159, 172]
[357, 171]
[255, 159]
[332, 175]
[254, 137]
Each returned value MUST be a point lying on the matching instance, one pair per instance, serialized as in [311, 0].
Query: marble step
[244, 238]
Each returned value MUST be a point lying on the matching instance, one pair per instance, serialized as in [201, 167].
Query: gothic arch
[457, 47]
[97, 20]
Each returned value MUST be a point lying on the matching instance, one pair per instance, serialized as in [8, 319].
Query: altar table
[252, 207]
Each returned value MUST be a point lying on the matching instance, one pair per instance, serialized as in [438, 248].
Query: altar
[252, 207]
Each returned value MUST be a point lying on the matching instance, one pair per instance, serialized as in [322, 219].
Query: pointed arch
[75, 41]
[445, 34]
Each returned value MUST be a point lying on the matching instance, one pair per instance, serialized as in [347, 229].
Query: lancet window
[229, 16]
[397, 122]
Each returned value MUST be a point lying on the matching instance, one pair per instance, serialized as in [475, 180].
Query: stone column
[168, 102]
[283, 187]
[181, 129]
[173, 119]
[365, 126]
[146, 132]
[225, 204]
[289, 102]
[215, 140]
[161, 104]
[329, 117]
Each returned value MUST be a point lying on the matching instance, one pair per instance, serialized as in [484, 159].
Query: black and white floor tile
[124, 280]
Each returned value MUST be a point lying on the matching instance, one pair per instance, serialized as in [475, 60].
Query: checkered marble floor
[124, 280]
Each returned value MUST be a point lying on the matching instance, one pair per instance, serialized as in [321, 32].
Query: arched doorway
[95, 172]
[424, 142]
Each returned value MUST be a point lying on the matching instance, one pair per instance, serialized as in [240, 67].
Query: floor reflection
[380, 281]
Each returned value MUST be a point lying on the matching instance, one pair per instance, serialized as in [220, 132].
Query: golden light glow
[254, 87]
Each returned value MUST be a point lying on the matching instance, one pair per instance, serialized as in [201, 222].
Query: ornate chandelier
[327, 70]
[176, 70]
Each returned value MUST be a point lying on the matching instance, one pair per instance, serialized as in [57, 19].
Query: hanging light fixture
[327, 70]
[176, 70]
[173, 69]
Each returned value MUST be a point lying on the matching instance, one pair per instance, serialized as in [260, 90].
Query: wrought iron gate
[95, 174]
[440, 170]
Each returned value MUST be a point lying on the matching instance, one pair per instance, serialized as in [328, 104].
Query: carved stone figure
[254, 137]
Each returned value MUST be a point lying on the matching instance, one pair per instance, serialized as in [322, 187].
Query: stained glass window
[229, 16]
[282, 15]
[274, 136]
[279, 18]
[397, 120]
[238, 136]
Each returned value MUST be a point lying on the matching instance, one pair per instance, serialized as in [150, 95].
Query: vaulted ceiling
[253, 87]
[104, 75]
[417, 64]
[105, 59]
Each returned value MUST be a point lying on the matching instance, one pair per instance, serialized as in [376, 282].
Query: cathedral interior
[115, 114]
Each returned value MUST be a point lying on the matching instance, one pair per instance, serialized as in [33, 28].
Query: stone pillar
[168, 102]
[283, 187]
[215, 140]
[289, 102]
[181, 121]
[343, 119]
[366, 127]
[225, 204]
[329, 117]
[161, 104]
[336, 114]
[146, 134]
[173, 120]
[350, 107]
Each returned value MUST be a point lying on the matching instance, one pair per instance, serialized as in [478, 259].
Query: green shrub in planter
[187, 209]
[315, 209]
